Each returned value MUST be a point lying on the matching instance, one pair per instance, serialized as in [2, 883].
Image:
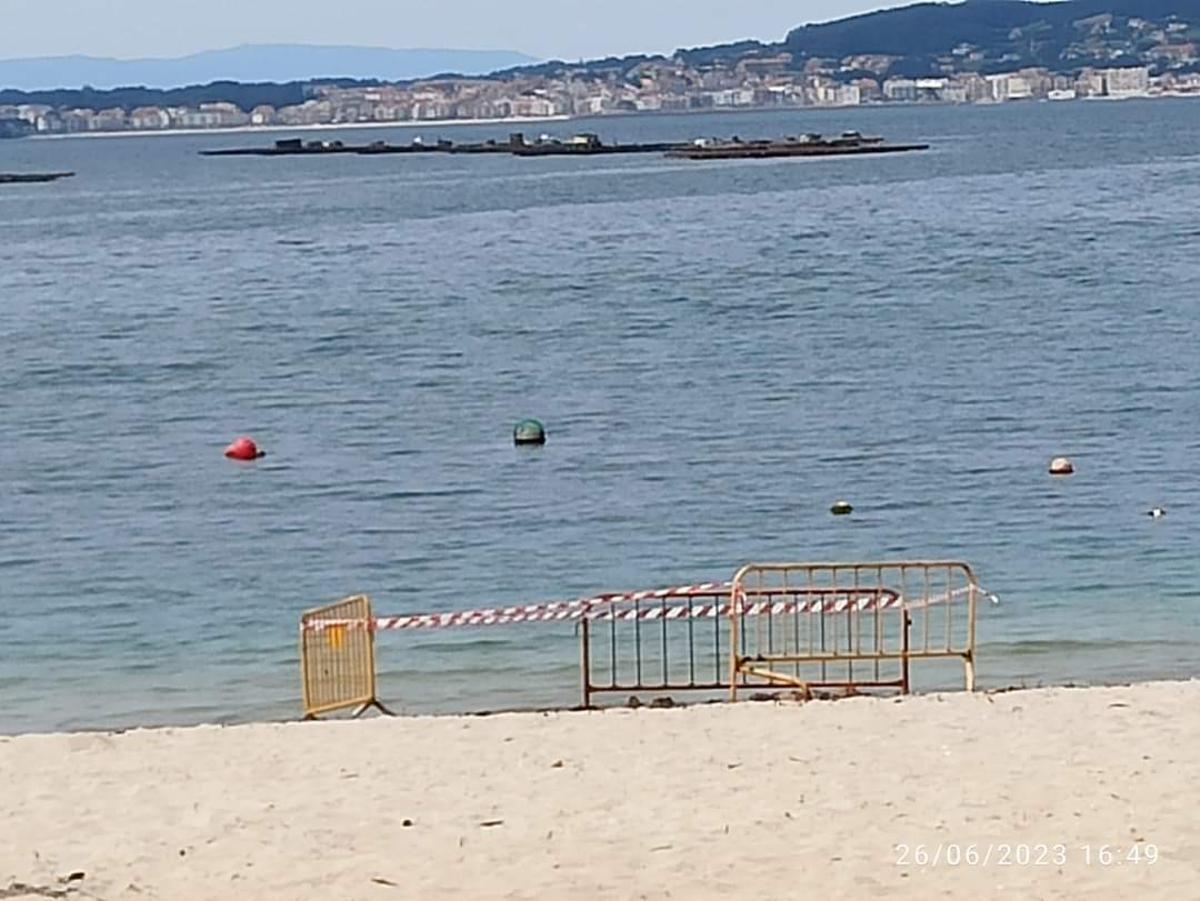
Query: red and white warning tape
[616, 607]
[608, 610]
[545, 612]
[874, 600]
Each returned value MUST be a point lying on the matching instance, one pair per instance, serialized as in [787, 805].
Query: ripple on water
[719, 352]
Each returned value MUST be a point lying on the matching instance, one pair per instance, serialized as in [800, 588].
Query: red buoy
[244, 449]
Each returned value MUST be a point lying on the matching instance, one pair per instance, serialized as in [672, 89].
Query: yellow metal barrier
[864, 626]
[337, 658]
[785, 626]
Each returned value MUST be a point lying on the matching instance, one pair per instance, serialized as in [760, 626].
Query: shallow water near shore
[719, 351]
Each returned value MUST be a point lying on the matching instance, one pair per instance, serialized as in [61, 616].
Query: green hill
[1058, 35]
[986, 35]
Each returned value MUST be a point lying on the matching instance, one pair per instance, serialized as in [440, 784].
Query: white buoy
[1062, 466]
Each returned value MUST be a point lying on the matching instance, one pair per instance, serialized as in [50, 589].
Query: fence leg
[734, 660]
[378, 705]
[585, 663]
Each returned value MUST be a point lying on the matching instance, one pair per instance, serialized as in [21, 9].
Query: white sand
[754, 801]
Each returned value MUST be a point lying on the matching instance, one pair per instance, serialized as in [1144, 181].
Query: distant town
[1102, 56]
[762, 83]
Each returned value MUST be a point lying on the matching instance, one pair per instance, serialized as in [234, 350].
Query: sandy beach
[756, 801]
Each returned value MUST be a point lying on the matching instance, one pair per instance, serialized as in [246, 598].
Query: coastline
[269, 129]
[716, 801]
[534, 120]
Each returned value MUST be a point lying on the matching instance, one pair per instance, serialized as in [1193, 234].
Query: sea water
[719, 350]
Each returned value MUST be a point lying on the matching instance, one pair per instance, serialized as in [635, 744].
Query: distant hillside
[927, 29]
[252, 63]
[1000, 32]
[943, 39]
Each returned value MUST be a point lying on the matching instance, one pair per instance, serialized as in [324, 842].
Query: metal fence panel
[337, 657]
[864, 626]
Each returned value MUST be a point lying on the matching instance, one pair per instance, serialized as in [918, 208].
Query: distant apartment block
[1132, 82]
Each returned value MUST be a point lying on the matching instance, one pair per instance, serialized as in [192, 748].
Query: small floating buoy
[1156, 513]
[1061, 466]
[529, 431]
[841, 508]
[244, 449]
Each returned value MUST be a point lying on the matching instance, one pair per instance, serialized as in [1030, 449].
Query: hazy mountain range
[252, 63]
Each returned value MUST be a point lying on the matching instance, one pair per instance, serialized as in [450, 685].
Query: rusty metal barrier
[683, 643]
[868, 622]
[675, 643]
[337, 658]
[775, 627]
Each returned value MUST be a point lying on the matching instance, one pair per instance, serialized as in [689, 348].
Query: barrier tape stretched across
[606, 611]
[544, 612]
[604, 608]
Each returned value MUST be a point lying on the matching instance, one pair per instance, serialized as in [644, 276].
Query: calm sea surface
[719, 350]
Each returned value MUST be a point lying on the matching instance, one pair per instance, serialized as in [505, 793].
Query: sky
[564, 29]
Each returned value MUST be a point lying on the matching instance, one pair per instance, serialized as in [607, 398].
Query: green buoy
[841, 508]
[529, 431]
